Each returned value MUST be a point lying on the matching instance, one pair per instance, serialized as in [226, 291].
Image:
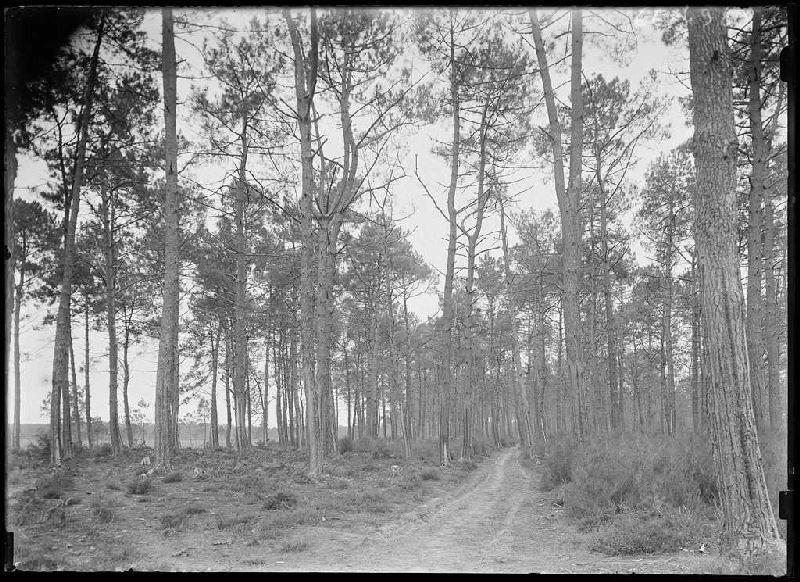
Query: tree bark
[167, 371]
[107, 209]
[749, 522]
[305, 76]
[446, 337]
[214, 367]
[772, 321]
[758, 186]
[60, 351]
[10, 174]
[86, 388]
[568, 195]
[17, 297]
[75, 403]
[228, 387]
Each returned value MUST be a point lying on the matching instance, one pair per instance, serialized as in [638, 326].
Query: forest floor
[368, 512]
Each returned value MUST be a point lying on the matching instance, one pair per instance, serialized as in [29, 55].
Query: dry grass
[356, 489]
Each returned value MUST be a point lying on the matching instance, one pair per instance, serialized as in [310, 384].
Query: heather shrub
[558, 459]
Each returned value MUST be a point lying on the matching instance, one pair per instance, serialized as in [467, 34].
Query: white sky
[428, 228]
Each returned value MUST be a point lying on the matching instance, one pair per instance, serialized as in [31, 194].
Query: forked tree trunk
[568, 194]
[749, 522]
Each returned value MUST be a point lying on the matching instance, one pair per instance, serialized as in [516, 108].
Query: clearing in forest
[371, 511]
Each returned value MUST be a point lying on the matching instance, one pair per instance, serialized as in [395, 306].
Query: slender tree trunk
[167, 371]
[772, 322]
[126, 378]
[445, 370]
[758, 187]
[749, 522]
[265, 399]
[86, 387]
[698, 422]
[75, 402]
[214, 367]
[17, 359]
[10, 174]
[228, 388]
[111, 318]
[60, 351]
[568, 195]
[305, 75]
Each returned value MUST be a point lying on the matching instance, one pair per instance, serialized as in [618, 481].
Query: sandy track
[497, 521]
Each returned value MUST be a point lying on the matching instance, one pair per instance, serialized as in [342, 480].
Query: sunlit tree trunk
[749, 522]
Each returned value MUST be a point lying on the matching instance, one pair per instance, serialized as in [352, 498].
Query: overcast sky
[428, 228]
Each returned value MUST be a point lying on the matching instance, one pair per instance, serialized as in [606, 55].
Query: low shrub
[137, 486]
[280, 500]
[649, 533]
[173, 477]
[429, 475]
[369, 501]
[176, 519]
[226, 521]
[103, 450]
[39, 450]
[54, 486]
[294, 546]
[345, 445]
[558, 461]
[102, 509]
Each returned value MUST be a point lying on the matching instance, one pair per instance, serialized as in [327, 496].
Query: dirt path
[497, 521]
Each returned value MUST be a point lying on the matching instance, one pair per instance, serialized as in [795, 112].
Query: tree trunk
[772, 322]
[758, 187]
[60, 351]
[75, 403]
[107, 209]
[748, 518]
[86, 387]
[10, 174]
[568, 203]
[167, 376]
[214, 367]
[265, 400]
[126, 378]
[305, 76]
[17, 360]
[445, 363]
[228, 387]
